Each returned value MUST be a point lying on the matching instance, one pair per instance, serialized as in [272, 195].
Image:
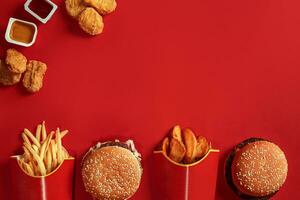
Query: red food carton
[57, 185]
[186, 181]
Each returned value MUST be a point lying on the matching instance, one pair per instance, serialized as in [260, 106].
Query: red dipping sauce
[41, 7]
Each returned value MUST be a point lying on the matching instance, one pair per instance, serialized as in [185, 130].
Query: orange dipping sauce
[22, 32]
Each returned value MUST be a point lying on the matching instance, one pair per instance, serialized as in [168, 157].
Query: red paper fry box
[57, 185]
[186, 181]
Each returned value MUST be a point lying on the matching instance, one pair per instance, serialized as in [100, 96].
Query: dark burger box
[58, 185]
[186, 181]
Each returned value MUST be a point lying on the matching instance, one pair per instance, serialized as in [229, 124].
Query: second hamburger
[112, 170]
[256, 169]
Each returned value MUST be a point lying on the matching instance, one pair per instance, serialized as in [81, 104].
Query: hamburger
[256, 169]
[112, 170]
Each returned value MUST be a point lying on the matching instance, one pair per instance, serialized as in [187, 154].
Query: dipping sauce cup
[20, 32]
[42, 10]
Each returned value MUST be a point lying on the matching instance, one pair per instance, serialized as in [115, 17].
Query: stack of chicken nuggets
[184, 147]
[89, 13]
[15, 65]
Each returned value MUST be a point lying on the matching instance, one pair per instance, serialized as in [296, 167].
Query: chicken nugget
[16, 61]
[190, 142]
[33, 78]
[177, 150]
[91, 21]
[6, 76]
[74, 7]
[102, 6]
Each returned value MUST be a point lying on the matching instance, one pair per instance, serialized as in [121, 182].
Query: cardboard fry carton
[186, 181]
[57, 185]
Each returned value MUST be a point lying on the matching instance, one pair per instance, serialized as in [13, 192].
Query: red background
[228, 69]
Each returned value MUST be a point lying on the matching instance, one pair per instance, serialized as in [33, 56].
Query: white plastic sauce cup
[8, 30]
[48, 17]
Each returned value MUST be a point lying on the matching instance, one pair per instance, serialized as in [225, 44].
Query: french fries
[183, 146]
[43, 152]
[38, 132]
[44, 133]
[33, 139]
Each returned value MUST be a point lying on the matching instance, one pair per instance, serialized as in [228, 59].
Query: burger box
[57, 185]
[186, 181]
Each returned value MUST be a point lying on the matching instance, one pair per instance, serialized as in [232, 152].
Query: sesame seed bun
[256, 169]
[111, 171]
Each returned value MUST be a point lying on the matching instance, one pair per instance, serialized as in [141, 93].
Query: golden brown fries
[43, 152]
[38, 132]
[184, 147]
[64, 133]
[44, 133]
[32, 138]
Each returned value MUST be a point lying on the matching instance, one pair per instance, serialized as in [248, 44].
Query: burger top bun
[259, 169]
[111, 172]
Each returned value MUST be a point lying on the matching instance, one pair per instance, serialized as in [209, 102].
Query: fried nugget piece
[16, 61]
[202, 148]
[190, 142]
[177, 150]
[6, 76]
[33, 78]
[102, 6]
[91, 21]
[74, 7]
[165, 145]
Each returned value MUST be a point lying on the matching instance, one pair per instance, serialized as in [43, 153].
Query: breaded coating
[33, 78]
[102, 6]
[74, 7]
[16, 61]
[91, 21]
[6, 76]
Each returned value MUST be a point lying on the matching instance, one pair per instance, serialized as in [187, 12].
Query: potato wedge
[190, 142]
[176, 133]
[177, 150]
[165, 145]
[202, 148]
